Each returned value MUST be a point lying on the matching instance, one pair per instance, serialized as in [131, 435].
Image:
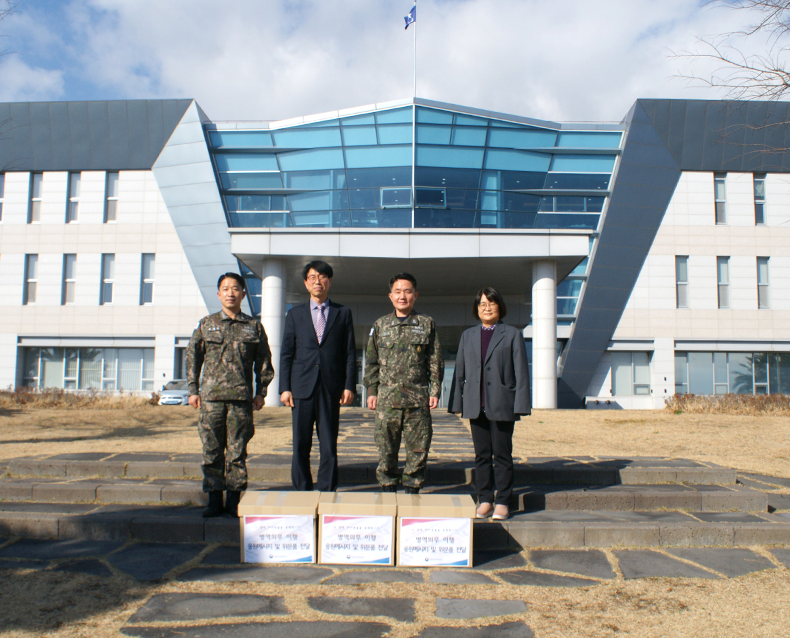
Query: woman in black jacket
[491, 388]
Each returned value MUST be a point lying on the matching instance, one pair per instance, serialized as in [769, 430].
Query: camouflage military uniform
[403, 368]
[227, 351]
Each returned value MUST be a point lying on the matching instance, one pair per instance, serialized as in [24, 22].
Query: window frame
[679, 284]
[26, 296]
[721, 285]
[35, 200]
[111, 199]
[2, 194]
[763, 287]
[73, 201]
[720, 204]
[759, 204]
[105, 280]
[69, 284]
[634, 383]
[147, 283]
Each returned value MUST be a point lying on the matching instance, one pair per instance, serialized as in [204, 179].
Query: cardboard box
[435, 530]
[278, 527]
[356, 528]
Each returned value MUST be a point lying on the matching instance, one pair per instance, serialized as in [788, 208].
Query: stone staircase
[557, 503]
[575, 502]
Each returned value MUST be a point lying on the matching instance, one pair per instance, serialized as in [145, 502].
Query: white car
[175, 392]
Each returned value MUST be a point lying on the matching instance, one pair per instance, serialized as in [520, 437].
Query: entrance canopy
[445, 262]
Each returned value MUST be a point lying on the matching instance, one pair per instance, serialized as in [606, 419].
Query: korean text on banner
[357, 540]
[435, 541]
[279, 539]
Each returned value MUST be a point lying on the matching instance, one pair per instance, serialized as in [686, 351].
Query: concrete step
[700, 498]
[276, 469]
[548, 529]
[692, 498]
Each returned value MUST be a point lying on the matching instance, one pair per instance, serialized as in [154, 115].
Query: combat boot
[412, 490]
[389, 488]
[232, 503]
[214, 505]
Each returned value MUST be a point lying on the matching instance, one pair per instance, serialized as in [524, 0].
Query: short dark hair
[321, 267]
[406, 276]
[492, 294]
[232, 275]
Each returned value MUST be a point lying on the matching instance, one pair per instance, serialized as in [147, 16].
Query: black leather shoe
[232, 503]
[412, 490]
[214, 505]
[389, 488]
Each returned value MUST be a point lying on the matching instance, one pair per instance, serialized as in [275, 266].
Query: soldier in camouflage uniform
[227, 347]
[403, 373]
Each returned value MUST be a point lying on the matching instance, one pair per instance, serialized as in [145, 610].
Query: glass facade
[107, 369]
[469, 172]
[630, 373]
[732, 373]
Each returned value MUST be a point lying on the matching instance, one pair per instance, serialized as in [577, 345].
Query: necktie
[320, 323]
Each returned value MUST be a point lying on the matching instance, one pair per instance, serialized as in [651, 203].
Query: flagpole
[415, 53]
[414, 124]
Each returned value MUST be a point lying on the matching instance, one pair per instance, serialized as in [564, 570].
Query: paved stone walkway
[303, 610]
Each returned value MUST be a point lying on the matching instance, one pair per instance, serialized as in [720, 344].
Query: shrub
[750, 404]
[55, 398]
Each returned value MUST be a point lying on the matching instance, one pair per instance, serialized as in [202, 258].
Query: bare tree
[6, 8]
[763, 76]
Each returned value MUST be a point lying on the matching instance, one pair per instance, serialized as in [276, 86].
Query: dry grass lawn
[60, 605]
[749, 443]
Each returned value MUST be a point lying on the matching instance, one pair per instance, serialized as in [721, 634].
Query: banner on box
[279, 539]
[356, 540]
[434, 541]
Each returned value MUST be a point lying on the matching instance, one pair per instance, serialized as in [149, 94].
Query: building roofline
[392, 104]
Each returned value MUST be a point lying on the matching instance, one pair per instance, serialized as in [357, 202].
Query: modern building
[641, 258]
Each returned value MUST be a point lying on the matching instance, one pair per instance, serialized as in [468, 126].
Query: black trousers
[320, 409]
[493, 442]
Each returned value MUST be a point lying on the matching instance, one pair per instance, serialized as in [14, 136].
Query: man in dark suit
[318, 369]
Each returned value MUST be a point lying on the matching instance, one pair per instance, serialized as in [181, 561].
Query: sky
[573, 60]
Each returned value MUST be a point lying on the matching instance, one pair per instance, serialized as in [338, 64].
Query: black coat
[505, 375]
[302, 357]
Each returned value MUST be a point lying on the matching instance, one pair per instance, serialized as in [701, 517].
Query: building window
[705, 373]
[630, 373]
[34, 211]
[111, 200]
[254, 291]
[2, 194]
[763, 301]
[568, 292]
[180, 364]
[759, 198]
[31, 279]
[147, 280]
[719, 190]
[69, 279]
[107, 278]
[73, 205]
[107, 369]
[723, 277]
[682, 281]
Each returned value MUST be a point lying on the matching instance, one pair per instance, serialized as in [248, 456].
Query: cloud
[22, 83]
[275, 59]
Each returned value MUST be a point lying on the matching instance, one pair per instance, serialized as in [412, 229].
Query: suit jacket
[302, 357]
[505, 375]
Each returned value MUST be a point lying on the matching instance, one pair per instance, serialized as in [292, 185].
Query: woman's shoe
[501, 513]
[485, 510]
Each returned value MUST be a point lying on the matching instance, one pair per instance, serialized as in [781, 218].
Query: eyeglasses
[313, 278]
[486, 306]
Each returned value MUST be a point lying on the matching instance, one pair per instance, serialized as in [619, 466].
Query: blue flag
[412, 17]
